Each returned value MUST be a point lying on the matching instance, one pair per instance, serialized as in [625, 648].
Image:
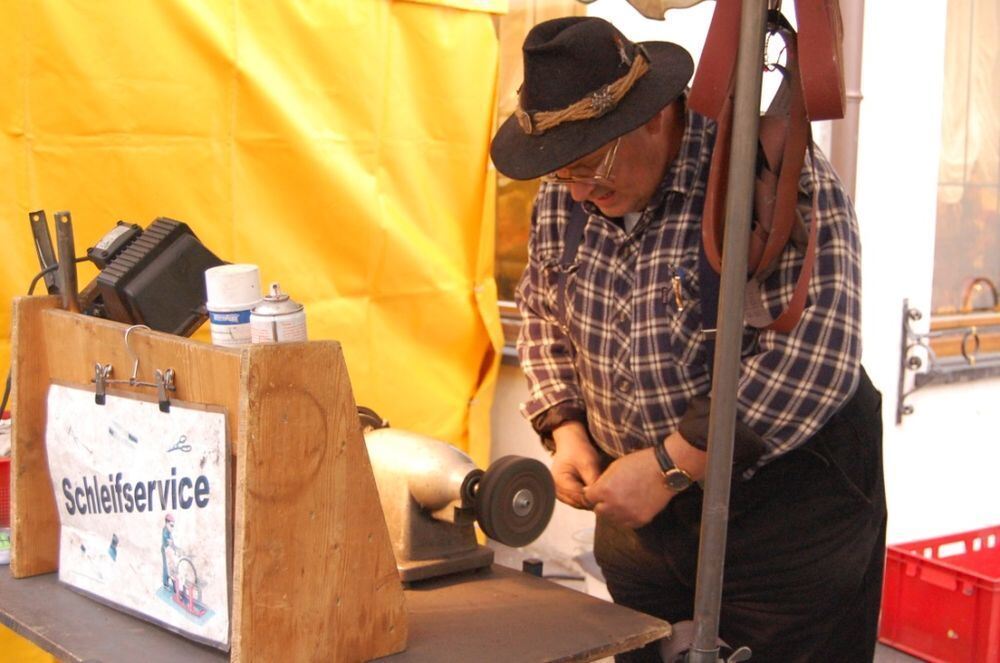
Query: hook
[967, 353]
[976, 286]
[135, 357]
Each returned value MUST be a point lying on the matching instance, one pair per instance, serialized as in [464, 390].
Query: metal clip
[164, 383]
[102, 375]
[675, 281]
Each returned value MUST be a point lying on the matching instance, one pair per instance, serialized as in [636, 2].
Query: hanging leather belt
[812, 88]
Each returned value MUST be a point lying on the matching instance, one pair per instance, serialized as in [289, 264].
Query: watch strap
[674, 477]
[663, 458]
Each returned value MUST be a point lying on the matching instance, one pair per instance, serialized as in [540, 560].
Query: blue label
[229, 318]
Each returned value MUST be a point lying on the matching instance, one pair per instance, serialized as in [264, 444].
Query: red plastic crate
[941, 598]
[4, 492]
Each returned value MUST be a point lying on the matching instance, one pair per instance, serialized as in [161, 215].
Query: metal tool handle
[67, 262]
[43, 248]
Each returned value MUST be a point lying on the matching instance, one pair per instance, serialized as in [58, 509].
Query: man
[618, 368]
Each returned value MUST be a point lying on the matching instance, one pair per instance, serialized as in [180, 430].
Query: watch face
[676, 479]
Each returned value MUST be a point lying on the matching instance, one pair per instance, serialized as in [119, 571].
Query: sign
[142, 500]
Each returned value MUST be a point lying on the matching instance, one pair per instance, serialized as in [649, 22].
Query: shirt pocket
[677, 319]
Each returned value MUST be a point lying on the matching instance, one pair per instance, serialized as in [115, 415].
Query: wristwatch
[674, 477]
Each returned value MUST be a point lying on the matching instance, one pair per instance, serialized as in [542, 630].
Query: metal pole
[726, 370]
[844, 132]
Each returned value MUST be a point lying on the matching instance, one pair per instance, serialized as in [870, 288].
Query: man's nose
[580, 191]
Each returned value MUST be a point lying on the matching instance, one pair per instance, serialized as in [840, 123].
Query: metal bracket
[969, 366]
[909, 341]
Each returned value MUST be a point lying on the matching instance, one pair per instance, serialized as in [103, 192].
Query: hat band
[594, 105]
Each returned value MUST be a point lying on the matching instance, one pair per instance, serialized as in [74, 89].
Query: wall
[940, 461]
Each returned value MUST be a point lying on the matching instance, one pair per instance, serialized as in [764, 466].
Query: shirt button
[625, 385]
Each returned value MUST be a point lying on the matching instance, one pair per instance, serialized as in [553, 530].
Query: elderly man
[618, 368]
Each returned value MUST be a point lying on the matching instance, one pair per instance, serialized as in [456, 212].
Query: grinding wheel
[514, 500]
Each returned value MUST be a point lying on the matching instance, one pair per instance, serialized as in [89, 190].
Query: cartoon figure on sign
[180, 576]
[167, 544]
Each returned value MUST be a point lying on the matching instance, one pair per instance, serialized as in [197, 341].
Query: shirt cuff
[556, 416]
[748, 446]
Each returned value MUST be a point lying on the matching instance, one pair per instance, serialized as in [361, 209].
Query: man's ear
[663, 119]
[656, 123]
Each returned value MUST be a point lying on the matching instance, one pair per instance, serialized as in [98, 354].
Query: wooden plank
[951, 346]
[970, 319]
[35, 521]
[985, 323]
[204, 373]
[314, 576]
[500, 615]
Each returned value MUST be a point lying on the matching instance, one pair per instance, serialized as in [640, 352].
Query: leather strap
[754, 311]
[712, 84]
[783, 139]
[572, 237]
[821, 37]
[822, 31]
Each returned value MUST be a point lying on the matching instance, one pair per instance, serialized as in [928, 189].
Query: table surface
[496, 614]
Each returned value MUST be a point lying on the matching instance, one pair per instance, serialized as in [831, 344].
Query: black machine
[153, 277]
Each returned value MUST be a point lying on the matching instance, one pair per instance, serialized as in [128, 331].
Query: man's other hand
[575, 464]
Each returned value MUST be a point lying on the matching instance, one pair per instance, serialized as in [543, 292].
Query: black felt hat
[585, 84]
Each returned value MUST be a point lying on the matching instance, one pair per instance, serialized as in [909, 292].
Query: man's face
[627, 170]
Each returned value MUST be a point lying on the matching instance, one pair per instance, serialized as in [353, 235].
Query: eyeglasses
[600, 176]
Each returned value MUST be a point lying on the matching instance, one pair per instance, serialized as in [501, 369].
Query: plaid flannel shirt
[629, 358]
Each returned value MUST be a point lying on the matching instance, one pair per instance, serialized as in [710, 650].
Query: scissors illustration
[181, 445]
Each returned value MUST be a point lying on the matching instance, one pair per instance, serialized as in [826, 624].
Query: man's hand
[631, 490]
[575, 465]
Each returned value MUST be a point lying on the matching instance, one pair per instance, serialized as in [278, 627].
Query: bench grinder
[432, 495]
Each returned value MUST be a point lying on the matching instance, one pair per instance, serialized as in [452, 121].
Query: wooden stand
[314, 577]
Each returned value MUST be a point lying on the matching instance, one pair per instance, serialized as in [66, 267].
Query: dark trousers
[804, 556]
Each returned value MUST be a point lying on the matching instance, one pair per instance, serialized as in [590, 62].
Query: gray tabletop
[497, 614]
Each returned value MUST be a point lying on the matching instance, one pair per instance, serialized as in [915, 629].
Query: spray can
[277, 319]
[232, 292]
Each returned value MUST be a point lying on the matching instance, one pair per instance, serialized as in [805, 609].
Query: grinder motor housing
[433, 494]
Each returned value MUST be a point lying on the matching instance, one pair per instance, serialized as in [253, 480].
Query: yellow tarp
[339, 145]
[15, 649]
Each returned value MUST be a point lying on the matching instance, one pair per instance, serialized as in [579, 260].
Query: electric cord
[39, 276]
[6, 395]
